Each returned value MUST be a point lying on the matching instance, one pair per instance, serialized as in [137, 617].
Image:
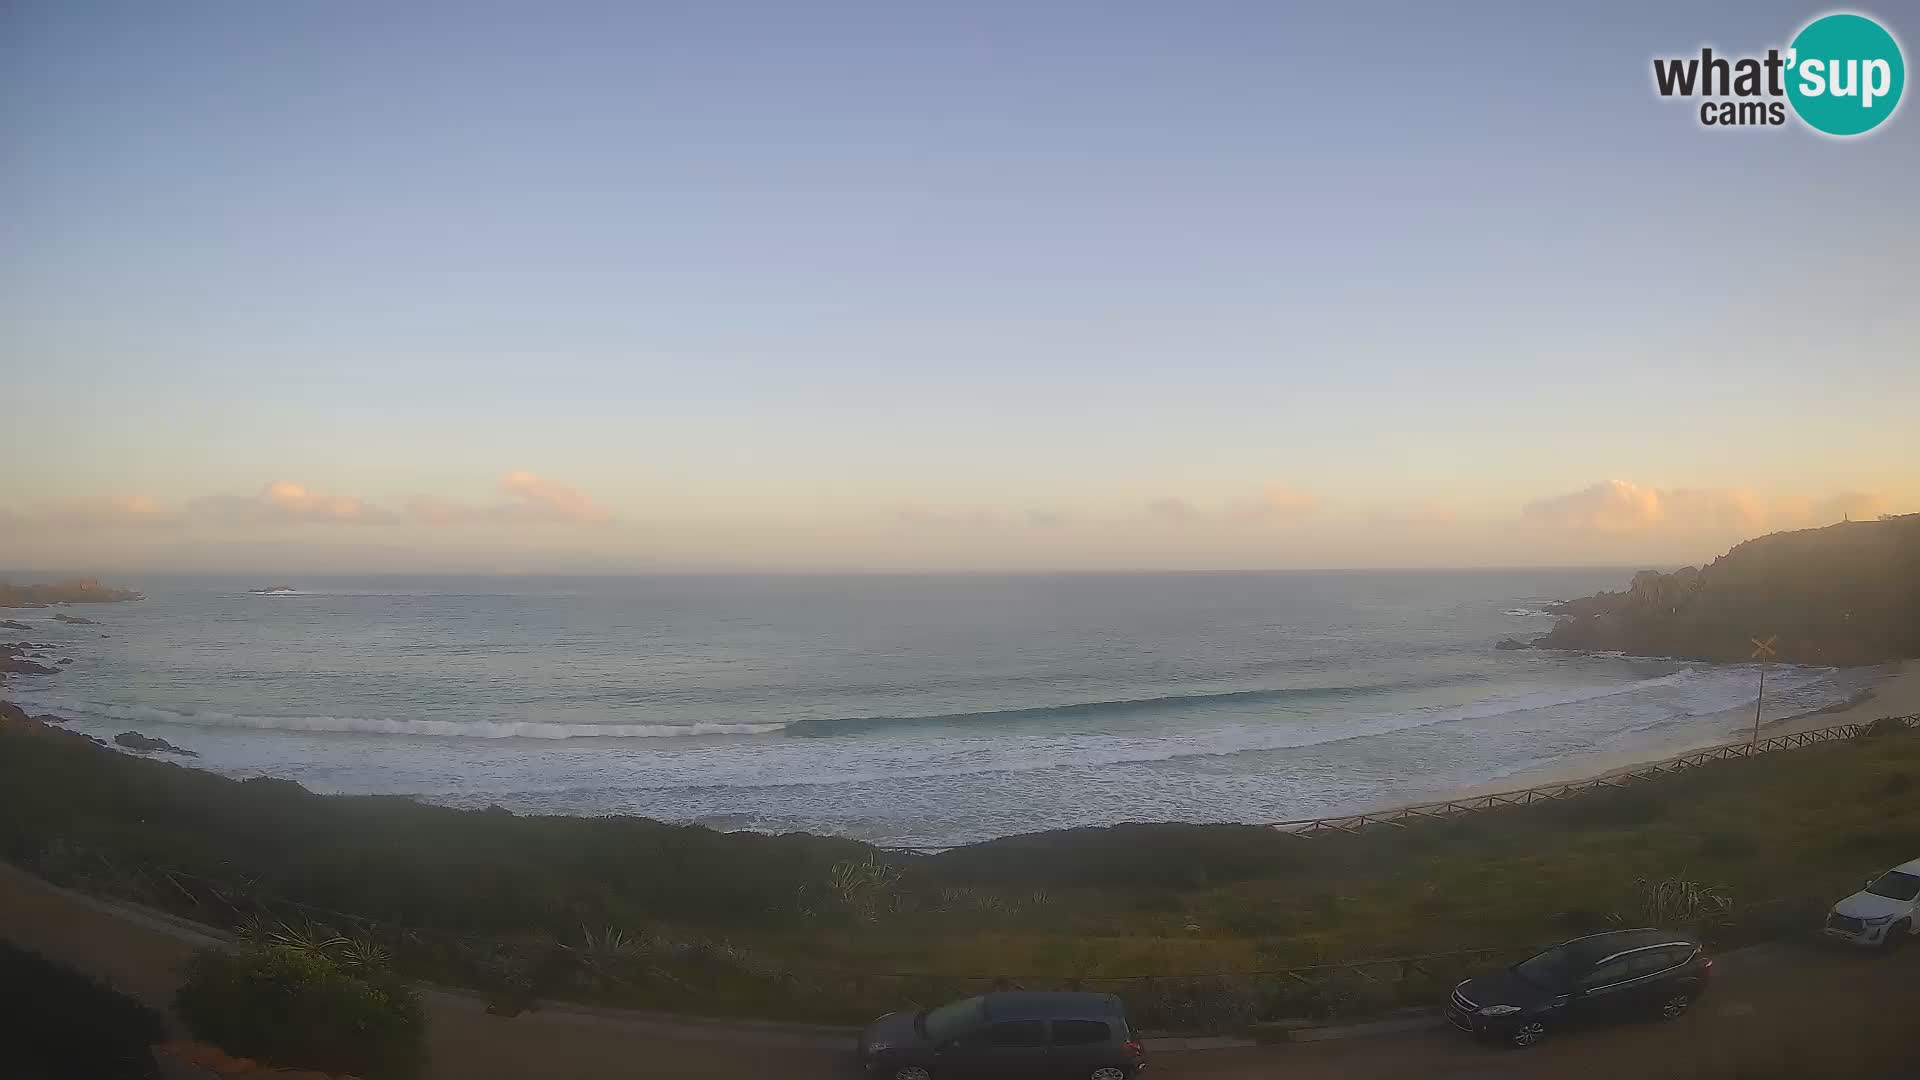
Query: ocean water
[907, 710]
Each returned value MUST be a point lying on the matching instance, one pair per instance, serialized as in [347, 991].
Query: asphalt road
[1802, 1006]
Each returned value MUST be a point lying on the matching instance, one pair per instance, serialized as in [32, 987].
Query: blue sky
[881, 285]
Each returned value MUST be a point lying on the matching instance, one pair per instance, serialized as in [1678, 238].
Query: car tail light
[1134, 1049]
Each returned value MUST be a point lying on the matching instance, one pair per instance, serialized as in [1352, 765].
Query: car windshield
[1895, 885]
[952, 1021]
[1550, 970]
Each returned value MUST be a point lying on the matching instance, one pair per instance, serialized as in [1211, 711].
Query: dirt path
[1768, 1004]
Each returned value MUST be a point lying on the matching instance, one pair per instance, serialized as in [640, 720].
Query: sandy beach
[1896, 695]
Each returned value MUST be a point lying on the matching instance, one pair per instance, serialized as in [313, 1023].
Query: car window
[1895, 885]
[1549, 970]
[1079, 1032]
[1651, 961]
[955, 1020]
[1017, 1033]
[1673, 956]
[1606, 974]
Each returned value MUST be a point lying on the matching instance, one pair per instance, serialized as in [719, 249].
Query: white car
[1883, 913]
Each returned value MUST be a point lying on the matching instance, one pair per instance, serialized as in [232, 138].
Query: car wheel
[1108, 1072]
[911, 1072]
[1675, 1006]
[1528, 1034]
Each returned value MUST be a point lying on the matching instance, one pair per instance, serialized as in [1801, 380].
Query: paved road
[1774, 1004]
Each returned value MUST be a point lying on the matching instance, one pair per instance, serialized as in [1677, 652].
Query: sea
[906, 710]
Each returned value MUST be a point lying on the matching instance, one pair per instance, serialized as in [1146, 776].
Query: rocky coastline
[1842, 596]
[30, 658]
[70, 591]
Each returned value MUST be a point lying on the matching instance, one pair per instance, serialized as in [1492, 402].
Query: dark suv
[1623, 973]
[1013, 1034]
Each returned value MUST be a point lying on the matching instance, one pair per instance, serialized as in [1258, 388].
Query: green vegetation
[57, 1022]
[307, 1002]
[630, 911]
[1845, 594]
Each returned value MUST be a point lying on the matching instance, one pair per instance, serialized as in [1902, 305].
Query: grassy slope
[1803, 826]
[1843, 594]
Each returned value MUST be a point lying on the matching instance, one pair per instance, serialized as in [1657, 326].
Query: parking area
[1803, 1006]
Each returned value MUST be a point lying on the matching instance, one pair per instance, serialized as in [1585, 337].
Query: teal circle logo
[1845, 74]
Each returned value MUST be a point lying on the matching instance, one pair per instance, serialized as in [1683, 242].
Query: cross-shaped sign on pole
[1763, 652]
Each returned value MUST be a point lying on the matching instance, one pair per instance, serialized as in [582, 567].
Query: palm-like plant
[865, 888]
[362, 954]
[1677, 902]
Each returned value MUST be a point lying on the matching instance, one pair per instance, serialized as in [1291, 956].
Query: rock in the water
[1512, 643]
[25, 667]
[74, 620]
[133, 740]
[9, 624]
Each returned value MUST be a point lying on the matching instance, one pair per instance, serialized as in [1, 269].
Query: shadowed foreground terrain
[632, 911]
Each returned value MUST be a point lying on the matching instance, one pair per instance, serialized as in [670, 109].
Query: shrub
[57, 1022]
[1676, 904]
[300, 1008]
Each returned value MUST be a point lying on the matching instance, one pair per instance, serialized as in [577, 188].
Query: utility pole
[1762, 651]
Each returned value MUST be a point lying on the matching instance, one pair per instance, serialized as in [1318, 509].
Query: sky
[879, 286]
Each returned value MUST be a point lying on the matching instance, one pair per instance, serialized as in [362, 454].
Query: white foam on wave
[468, 729]
[1238, 739]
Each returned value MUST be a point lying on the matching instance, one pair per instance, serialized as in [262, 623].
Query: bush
[55, 1022]
[1676, 904]
[299, 1008]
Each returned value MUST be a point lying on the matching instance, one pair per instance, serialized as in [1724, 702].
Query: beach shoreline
[1897, 694]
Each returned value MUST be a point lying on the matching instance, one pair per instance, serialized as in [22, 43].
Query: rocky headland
[1847, 594]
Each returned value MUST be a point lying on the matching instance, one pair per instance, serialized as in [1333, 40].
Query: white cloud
[1621, 506]
[95, 512]
[529, 499]
[284, 502]
[539, 499]
[1612, 506]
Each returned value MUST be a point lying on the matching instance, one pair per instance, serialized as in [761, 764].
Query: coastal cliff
[75, 591]
[1846, 594]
